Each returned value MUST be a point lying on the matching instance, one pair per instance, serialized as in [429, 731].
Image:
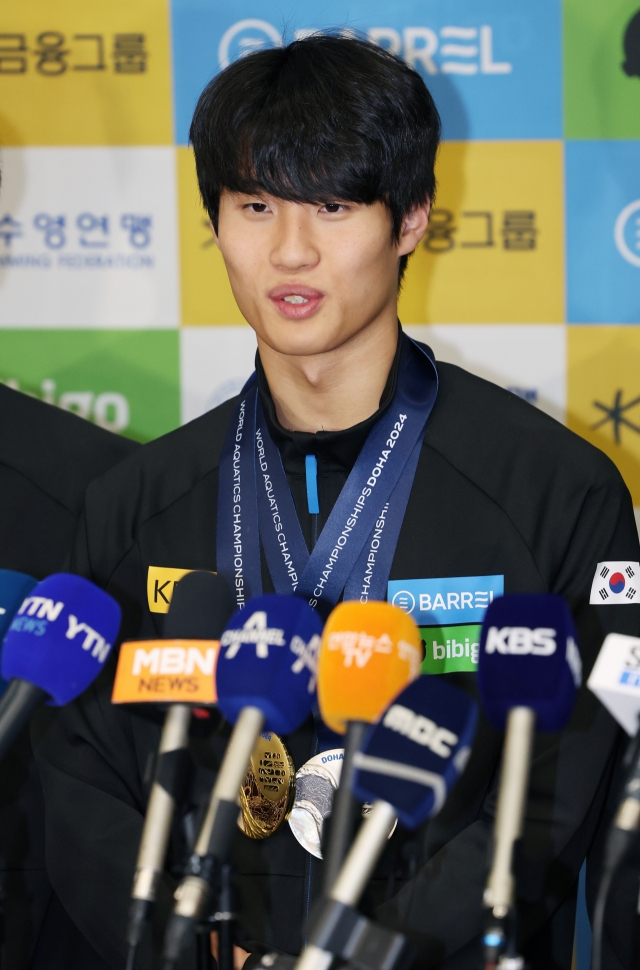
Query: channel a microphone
[408, 764]
[14, 587]
[56, 645]
[369, 652]
[200, 609]
[266, 680]
[529, 670]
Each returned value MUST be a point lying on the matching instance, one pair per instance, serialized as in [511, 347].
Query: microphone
[200, 609]
[14, 587]
[408, 764]
[369, 652]
[529, 670]
[265, 678]
[615, 680]
[56, 645]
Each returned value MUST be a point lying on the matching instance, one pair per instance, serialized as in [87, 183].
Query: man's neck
[335, 390]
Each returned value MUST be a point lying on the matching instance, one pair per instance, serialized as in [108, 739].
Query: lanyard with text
[355, 549]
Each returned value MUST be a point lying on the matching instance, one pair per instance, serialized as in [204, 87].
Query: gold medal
[268, 790]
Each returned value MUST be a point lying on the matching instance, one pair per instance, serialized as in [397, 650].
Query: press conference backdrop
[114, 301]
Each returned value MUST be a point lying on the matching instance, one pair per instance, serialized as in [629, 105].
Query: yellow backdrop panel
[494, 249]
[85, 73]
[206, 293]
[603, 401]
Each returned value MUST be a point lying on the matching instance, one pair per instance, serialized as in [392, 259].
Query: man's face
[309, 277]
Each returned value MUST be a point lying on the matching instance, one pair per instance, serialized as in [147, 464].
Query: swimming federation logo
[616, 582]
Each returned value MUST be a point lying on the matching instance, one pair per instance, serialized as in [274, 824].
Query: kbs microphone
[265, 678]
[14, 587]
[529, 670]
[56, 645]
[199, 611]
[407, 766]
[615, 680]
[369, 652]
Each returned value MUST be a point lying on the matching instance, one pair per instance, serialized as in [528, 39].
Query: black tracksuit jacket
[47, 459]
[500, 488]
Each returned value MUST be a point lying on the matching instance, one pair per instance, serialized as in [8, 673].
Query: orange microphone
[369, 653]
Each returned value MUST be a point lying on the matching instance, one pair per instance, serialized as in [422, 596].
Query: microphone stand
[344, 811]
[224, 920]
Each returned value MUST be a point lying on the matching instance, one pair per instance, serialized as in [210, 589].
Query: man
[315, 163]
[47, 459]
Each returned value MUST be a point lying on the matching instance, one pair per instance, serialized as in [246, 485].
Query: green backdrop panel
[125, 380]
[602, 68]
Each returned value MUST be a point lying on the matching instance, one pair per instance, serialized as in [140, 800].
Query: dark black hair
[325, 118]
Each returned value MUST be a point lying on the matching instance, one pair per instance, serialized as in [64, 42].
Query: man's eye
[332, 207]
[258, 207]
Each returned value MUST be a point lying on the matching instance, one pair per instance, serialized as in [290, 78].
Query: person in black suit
[48, 457]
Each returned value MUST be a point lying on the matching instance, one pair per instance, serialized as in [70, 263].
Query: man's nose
[294, 247]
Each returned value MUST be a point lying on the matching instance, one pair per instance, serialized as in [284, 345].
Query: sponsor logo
[521, 640]
[615, 582]
[626, 233]
[631, 42]
[109, 410]
[359, 647]
[616, 415]
[452, 49]
[452, 649]
[161, 670]
[447, 601]
[420, 729]
[161, 581]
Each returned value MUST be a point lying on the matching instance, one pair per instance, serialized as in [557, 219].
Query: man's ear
[215, 234]
[414, 226]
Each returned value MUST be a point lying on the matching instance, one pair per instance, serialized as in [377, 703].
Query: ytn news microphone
[56, 645]
[529, 670]
[408, 763]
[200, 609]
[14, 587]
[369, 652]
[265, 679]
[615, 680]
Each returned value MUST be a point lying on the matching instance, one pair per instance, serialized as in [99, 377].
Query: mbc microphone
[369, 652]
[529, 670]
[407, 766]
[14, 587]
[199, 611]
[266, 679]
[56, 645]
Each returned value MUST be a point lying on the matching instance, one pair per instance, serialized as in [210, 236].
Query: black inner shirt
[335, 451]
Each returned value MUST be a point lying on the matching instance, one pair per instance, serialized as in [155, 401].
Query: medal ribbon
[355, 549]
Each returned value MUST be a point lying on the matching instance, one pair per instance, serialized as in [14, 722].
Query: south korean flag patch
[615, 583]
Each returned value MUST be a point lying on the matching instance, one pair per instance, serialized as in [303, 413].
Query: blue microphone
[265, 680]
[408, 764]
[56, 645]
[529, 670]
[14, 587]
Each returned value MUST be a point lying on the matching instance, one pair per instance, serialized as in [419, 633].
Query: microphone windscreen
[268, 659]
[529, 658]
[417, 751]
[615, 679]
[200, 608]
[369, 652]
[13, 589]
[61, 636]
